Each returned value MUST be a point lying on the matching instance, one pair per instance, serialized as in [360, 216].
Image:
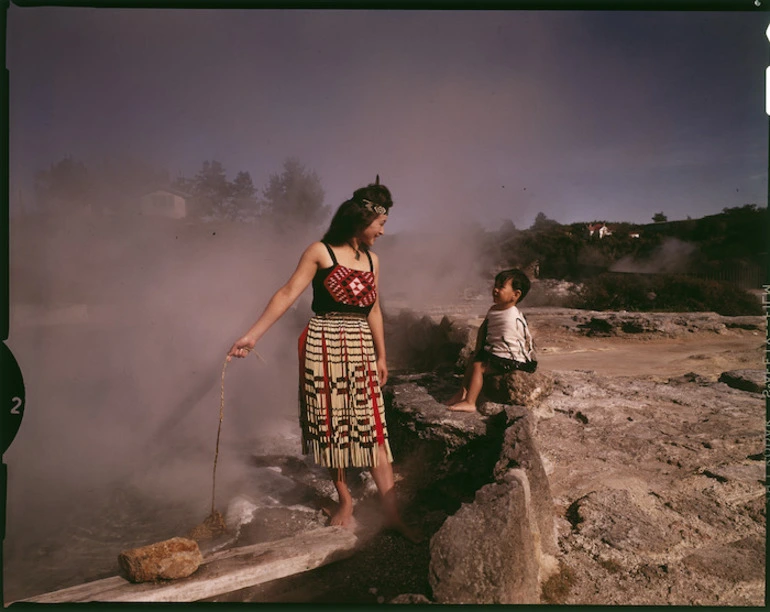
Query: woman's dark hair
[518, 279]
[357, 213]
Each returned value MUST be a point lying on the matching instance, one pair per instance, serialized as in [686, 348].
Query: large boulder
[485, 553]
[518, 388]
[166, 560]
[420, 415]
[500, 544]
[450, 454]
[519, 451]
[745, 380]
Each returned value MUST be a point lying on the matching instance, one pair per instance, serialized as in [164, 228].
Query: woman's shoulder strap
[331, 253]
[371, 263]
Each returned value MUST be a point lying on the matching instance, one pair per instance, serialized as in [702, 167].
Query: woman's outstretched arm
[281, 300]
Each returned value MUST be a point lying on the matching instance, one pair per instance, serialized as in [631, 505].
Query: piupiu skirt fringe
[342, 413]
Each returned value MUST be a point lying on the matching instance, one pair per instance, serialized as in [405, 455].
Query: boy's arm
[529, 348]
[481, 336]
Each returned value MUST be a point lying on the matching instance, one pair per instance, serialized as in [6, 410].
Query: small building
[599, 228]
[165, 202]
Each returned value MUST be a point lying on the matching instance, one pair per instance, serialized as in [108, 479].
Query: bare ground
[657, 469]
[707, 354]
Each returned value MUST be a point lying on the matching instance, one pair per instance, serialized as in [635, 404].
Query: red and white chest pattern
[352, 287]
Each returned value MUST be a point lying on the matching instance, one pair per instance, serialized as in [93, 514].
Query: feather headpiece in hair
[369, 205]
[378, 208]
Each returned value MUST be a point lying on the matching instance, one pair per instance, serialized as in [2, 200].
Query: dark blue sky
[465, 115]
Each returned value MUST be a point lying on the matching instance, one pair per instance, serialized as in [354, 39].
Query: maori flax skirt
[342, 413]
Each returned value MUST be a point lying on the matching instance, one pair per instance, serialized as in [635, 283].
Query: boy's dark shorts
[501, 365]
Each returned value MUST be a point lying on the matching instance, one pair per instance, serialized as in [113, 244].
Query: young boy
[503, 344]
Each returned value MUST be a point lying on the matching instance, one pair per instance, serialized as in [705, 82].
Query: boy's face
[505, 295]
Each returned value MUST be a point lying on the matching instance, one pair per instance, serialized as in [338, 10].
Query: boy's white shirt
[508, 335]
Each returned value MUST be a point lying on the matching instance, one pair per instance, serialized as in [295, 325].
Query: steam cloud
[121, 325]
[125, 386]
[672, 256]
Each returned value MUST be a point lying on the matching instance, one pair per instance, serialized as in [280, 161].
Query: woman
[342, 351]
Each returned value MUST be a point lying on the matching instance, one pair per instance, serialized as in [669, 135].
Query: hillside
[731, 245]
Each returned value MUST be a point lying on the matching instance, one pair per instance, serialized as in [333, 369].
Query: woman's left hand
[382, 371]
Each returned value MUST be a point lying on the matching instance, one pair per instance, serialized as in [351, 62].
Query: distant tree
[184, 184]
[742, 231]
[294, 198]
[243, 199]
[746, 209]
[212, 190]
[216, 197]
[659, 218]
[543, 223]
[243, 186]
[507, 228]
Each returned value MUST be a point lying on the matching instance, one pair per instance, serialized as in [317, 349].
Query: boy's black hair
[518, 279]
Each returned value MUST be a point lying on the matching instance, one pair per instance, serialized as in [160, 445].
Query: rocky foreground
[659, 489]
[608, 489]
[631, 470]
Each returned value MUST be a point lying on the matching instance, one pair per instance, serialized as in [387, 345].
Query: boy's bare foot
[463, 406]
[456, 398]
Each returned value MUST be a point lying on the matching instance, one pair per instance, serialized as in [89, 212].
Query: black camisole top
[343, 289]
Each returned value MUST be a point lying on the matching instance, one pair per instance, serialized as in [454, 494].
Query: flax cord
[219, 429]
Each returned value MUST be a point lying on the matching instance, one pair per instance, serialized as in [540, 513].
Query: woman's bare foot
[463, 406]
[409, 533]
[342, 517]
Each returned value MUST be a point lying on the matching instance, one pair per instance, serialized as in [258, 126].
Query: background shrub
[664, 293]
